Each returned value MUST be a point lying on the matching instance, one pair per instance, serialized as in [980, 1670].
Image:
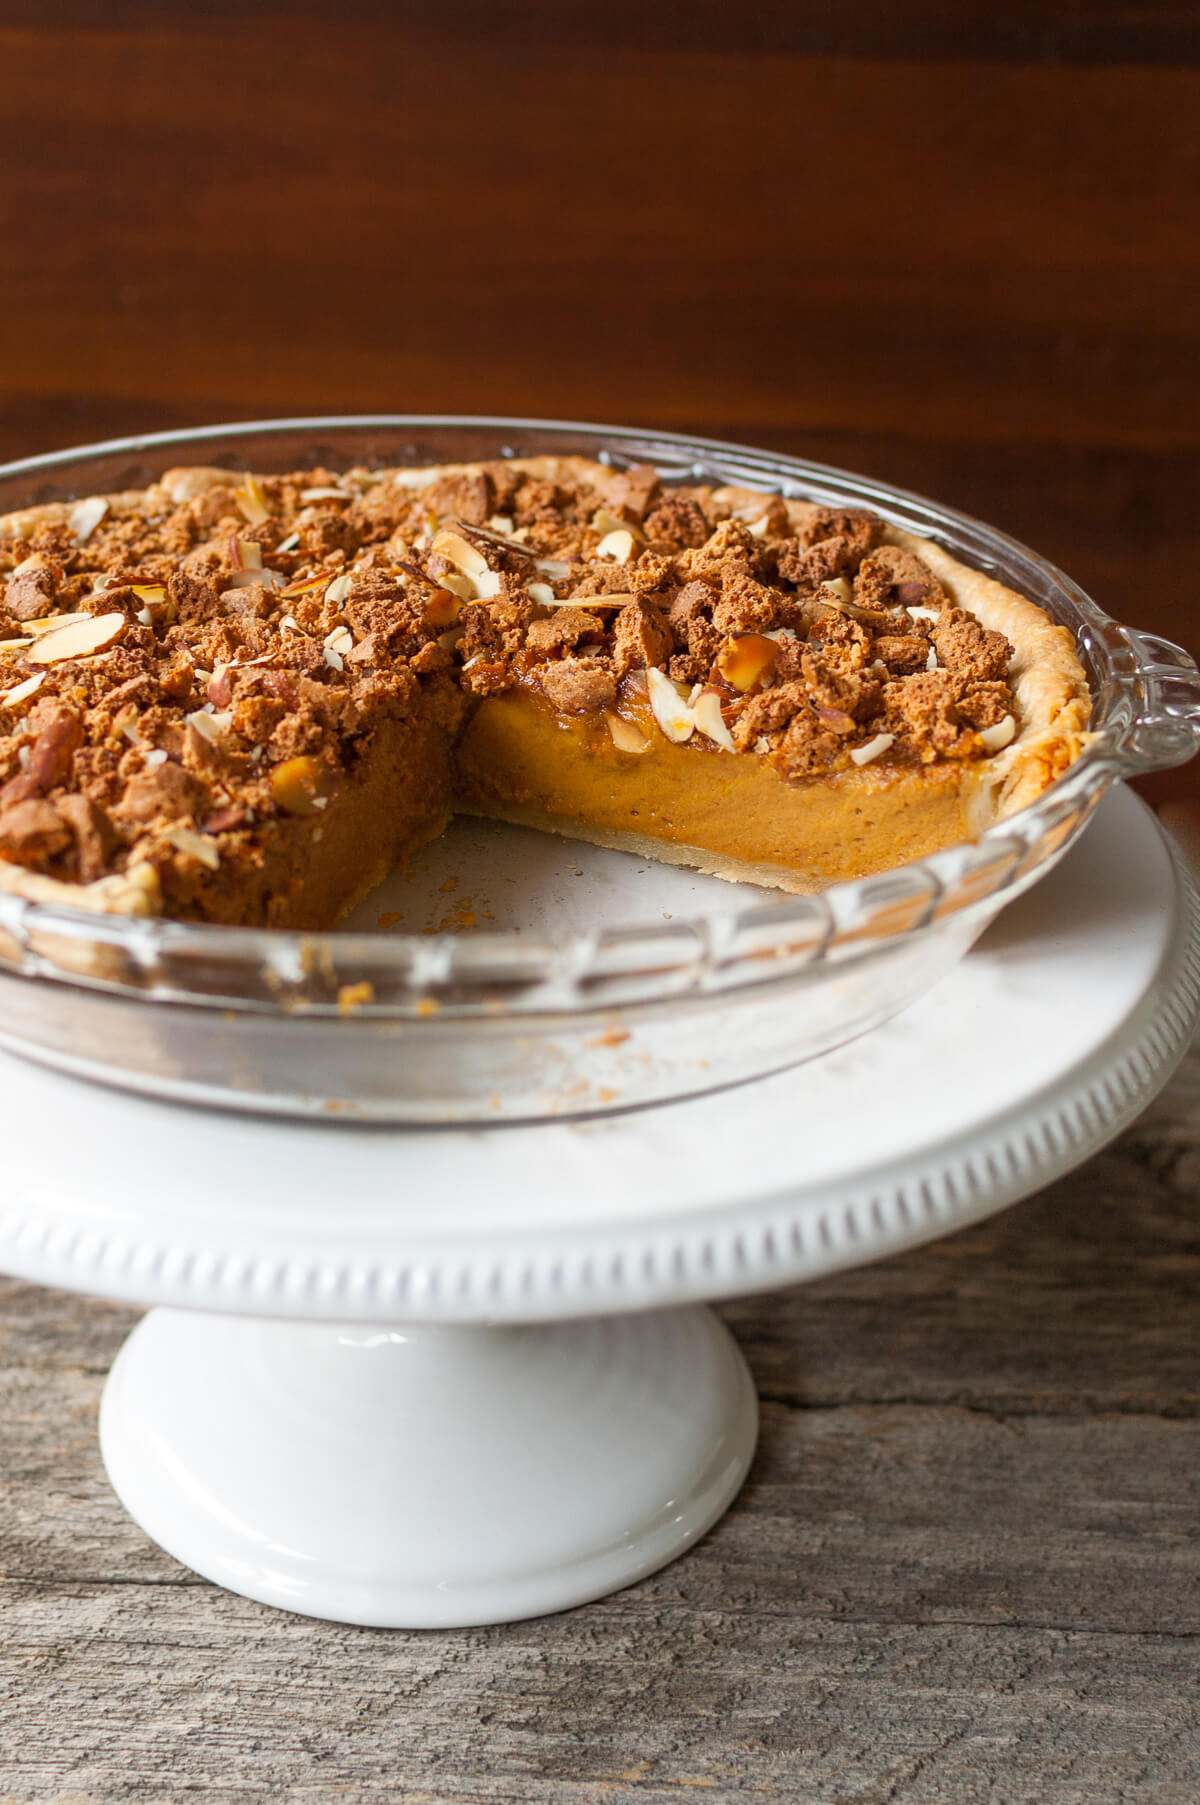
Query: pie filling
[242, 699]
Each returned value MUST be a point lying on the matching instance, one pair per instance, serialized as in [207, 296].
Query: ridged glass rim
[1146, 717]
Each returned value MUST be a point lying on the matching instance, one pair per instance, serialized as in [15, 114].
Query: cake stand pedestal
[432, 1378]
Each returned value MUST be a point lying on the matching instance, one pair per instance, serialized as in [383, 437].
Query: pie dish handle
[1154, 715]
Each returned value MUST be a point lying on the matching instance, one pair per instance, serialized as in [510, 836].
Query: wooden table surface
[965, 1567]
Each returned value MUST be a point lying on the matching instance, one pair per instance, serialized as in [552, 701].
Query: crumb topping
[178, 679]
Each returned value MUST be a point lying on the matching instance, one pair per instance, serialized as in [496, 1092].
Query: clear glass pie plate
[597, 981]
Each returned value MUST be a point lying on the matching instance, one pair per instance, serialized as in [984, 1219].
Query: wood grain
[965, 1566]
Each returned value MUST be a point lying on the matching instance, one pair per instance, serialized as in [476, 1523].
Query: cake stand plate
[428, 1378]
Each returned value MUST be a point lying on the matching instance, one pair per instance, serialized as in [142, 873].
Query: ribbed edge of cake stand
[770, 1242]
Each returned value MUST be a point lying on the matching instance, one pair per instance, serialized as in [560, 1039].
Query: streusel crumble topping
[177, 678]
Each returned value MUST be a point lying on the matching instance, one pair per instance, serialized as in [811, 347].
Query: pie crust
[516, 754]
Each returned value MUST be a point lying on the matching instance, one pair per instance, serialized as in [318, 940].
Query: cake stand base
[427, 1477]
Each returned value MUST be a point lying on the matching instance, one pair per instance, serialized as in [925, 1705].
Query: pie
[242, 699]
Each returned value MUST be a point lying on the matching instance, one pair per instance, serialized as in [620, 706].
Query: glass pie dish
[610, 982]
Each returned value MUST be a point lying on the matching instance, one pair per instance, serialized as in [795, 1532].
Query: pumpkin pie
[242, 698]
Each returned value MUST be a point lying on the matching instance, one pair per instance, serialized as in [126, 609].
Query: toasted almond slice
[252, 501]
[340, 588]
[554, 568]
[706, 713]
[193, 846]
[208, 724]
[1002, 734]
[836, 591]
[326, 495]
[79, 639]
[149, 592]
[617, 545]
[304, 584]
[923, 613]
[458, 585]
[15, 645]
[931, 659]
[23, 691]
[668, 702]
[242, 579]
[542, 594]
[863, 755]
[337, 644]
[487, 585]
[249, 553]
[502, 524]
[289, 544]
[757, 529]
[86, 516]
[626, 736]
[457, 551]
[604, 522]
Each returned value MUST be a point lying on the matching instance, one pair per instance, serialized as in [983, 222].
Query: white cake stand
[443, 1377]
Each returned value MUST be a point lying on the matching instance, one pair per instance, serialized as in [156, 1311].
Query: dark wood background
[952, 245]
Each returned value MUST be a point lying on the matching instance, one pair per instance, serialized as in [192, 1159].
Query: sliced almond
[290, 544]
[931, 659]
[208, 724]
[86, 516]
[15, 645]
[554, 568]
[836, 591]
[337, 644]
[458, 585]
[542, 594]
[502, 524]
[243, 579]
[249, 553]
[457, 551]
[78, 639]
[193, 846]
[626, 736]
[604, 522]
[668, 701]
[746, 658]
[706, 712]
[252, 501]
[304, 585]
[149, 592]
[1002, 734]
[757, 529]
[617, 545]
[340, 588]
[325, 495]
[923, 613]
[863, 755]
[23, 691]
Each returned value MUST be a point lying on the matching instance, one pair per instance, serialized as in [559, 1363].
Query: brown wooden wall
[955, 249]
